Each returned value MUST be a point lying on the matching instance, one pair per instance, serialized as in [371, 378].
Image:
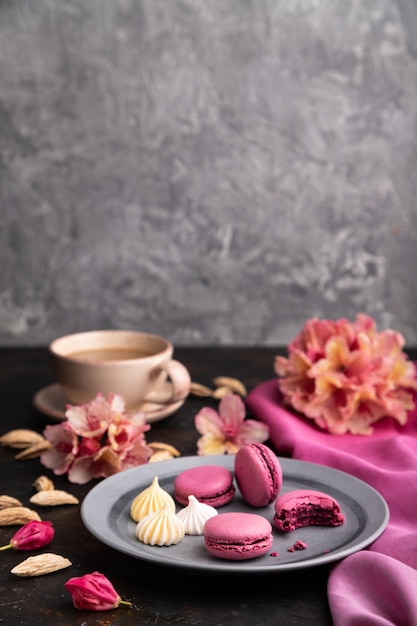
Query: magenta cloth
[377, 585]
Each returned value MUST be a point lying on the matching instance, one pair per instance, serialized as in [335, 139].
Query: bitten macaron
[306, 507]
[258, 474]
[237, 536]
[210, 484]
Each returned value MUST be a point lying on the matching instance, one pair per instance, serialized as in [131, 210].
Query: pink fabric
[378, 585]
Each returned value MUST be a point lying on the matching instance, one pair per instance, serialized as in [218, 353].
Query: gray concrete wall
[216, 171]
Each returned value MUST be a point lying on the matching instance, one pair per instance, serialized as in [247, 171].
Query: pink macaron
[258, 474]
[237, 536]
[306, 507]
[211, 484]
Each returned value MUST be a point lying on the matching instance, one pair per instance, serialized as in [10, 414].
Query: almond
[40, 564]
[160, 455]
[159, 445]
[200, 390]
[17, 516]
[221, 392]
[232, 383]
[20, 438]
[43, 483]
[32, 452]
[8, 501]
[53, 497]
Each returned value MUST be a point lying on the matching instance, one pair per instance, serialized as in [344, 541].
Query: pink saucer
[52, 402]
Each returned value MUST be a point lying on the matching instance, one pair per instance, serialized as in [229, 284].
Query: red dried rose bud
[31, 536]
[94, 592]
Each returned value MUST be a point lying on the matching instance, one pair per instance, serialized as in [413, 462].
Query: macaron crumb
[274, 553]
[298, 545]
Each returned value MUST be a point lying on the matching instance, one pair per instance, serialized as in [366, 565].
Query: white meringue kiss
[195, 515]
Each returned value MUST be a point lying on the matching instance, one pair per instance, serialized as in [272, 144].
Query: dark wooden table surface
[159, 596]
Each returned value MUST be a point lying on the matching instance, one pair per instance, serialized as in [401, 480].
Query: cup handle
[177, 389]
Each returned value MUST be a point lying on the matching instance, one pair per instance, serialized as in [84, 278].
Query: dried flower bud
[31, 536]
[94, 592]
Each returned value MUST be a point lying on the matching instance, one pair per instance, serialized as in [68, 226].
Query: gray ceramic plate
[105, 513]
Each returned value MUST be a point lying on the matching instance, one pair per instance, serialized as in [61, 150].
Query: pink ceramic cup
[136, 365]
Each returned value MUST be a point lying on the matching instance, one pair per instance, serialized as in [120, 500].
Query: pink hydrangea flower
[97, 440]
[226, 431]
[94, 592]
[346, 376]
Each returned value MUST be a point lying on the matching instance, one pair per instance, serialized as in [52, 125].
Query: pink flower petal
[65, 447]
[225, 432]
[209, 444]
[138, 454]
[208, 421]
[81, 471]
[232, 410]
[253, 431]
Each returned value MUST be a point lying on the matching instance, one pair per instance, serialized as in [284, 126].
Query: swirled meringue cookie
[151, 499]
[162, 528]
[195, 515]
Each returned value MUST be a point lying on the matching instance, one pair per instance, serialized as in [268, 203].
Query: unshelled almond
[221, 392]
[40, 564]
[53, 497]
[232, 383]
[8, 501]
[160, 455]
[20, 438]
[162, 451]
[160, 446]
[43, 483]
[32, 452]
[17, 516]
[196, 389]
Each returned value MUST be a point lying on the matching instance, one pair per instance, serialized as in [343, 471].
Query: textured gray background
[215, 171]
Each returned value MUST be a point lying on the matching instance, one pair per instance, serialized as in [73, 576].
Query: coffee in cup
[138, 366]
